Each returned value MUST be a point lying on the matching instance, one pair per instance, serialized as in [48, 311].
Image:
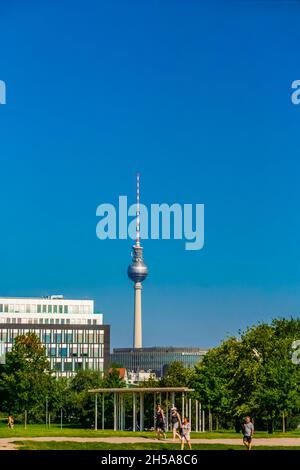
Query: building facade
[73, 335]
[155, 359]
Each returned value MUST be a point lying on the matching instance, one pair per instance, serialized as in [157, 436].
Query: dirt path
[7, 443]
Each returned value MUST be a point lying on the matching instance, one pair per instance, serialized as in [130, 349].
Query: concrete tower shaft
[137, 271]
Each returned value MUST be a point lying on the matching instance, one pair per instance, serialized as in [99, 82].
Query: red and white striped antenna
[137, 209]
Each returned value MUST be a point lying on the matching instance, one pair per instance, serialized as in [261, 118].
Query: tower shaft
[137, 271]
[137, 335]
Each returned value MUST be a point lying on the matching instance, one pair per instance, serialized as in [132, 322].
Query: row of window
[75, 366]
[32, 308]
[56, 336]
[49, 321]
[95, 350]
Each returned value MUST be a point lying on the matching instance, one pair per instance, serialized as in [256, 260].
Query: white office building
[73, 334]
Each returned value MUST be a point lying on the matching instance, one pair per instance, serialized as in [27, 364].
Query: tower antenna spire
[137, 209]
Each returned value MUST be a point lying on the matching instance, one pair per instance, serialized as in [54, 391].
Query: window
[57, 321]
[90, 337]
[39, 309]
[65, 309]
[57, 366]
[52, 352]
[1, 307]
[41, 320]
[68, 337]
[73, 351]
[57, 337]
[63, 352]
[54, 308]
[11, 308]
[35, 320]
[60, 309]
[27, 308]
[52, 321]
[78, 365]
[62, 322]
[19, 320]
[8, 320]
[68, 366]
[68, 321]
[46, 321]
[89, 322]
[49, 308]
[44, 308]
[6, 308]
[94, 322]
[46, 338]
[96, 350]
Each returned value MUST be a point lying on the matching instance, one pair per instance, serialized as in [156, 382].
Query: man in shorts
[248, 430]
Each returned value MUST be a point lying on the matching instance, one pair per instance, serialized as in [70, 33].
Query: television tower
[137, 271]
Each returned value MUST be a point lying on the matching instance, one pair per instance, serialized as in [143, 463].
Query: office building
[155, 359]
[73, 334]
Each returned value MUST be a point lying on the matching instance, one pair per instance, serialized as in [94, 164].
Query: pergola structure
[139, 393]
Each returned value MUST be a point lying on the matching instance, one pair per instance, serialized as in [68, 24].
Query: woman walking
[186, 434]
[176, 423]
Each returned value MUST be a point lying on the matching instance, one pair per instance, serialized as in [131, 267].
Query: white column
[134, 412]
[115, 411]
[141, 411]
[137, 315]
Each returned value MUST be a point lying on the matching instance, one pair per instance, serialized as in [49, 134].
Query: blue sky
[194, 95]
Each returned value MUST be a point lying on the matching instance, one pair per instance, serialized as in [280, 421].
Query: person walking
[186, 433]
[160, 422]
[10, 422]
[248, 431]
[176, 423]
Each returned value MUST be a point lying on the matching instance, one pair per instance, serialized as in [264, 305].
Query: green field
[40, 430]
[32, 445]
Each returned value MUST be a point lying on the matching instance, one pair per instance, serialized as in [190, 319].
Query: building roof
[159, 349]
[142, 389]
[122, 371]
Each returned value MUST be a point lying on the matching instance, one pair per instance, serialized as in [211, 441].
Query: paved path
[7, 443]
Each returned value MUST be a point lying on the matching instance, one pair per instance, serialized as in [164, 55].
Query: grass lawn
[32, 445]
[40, 430]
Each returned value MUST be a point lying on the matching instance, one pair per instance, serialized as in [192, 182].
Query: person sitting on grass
[186, 433]
[248, 430]
[160, 422]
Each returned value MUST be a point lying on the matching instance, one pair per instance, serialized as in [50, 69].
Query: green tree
[252, 374]
[177, 375]
[25, 378]
[80, 403]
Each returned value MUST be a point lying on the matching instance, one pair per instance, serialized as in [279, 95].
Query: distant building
[155, 359]
[73, 334]
[140, 376]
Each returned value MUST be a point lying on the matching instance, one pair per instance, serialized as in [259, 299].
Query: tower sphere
[137, 271]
